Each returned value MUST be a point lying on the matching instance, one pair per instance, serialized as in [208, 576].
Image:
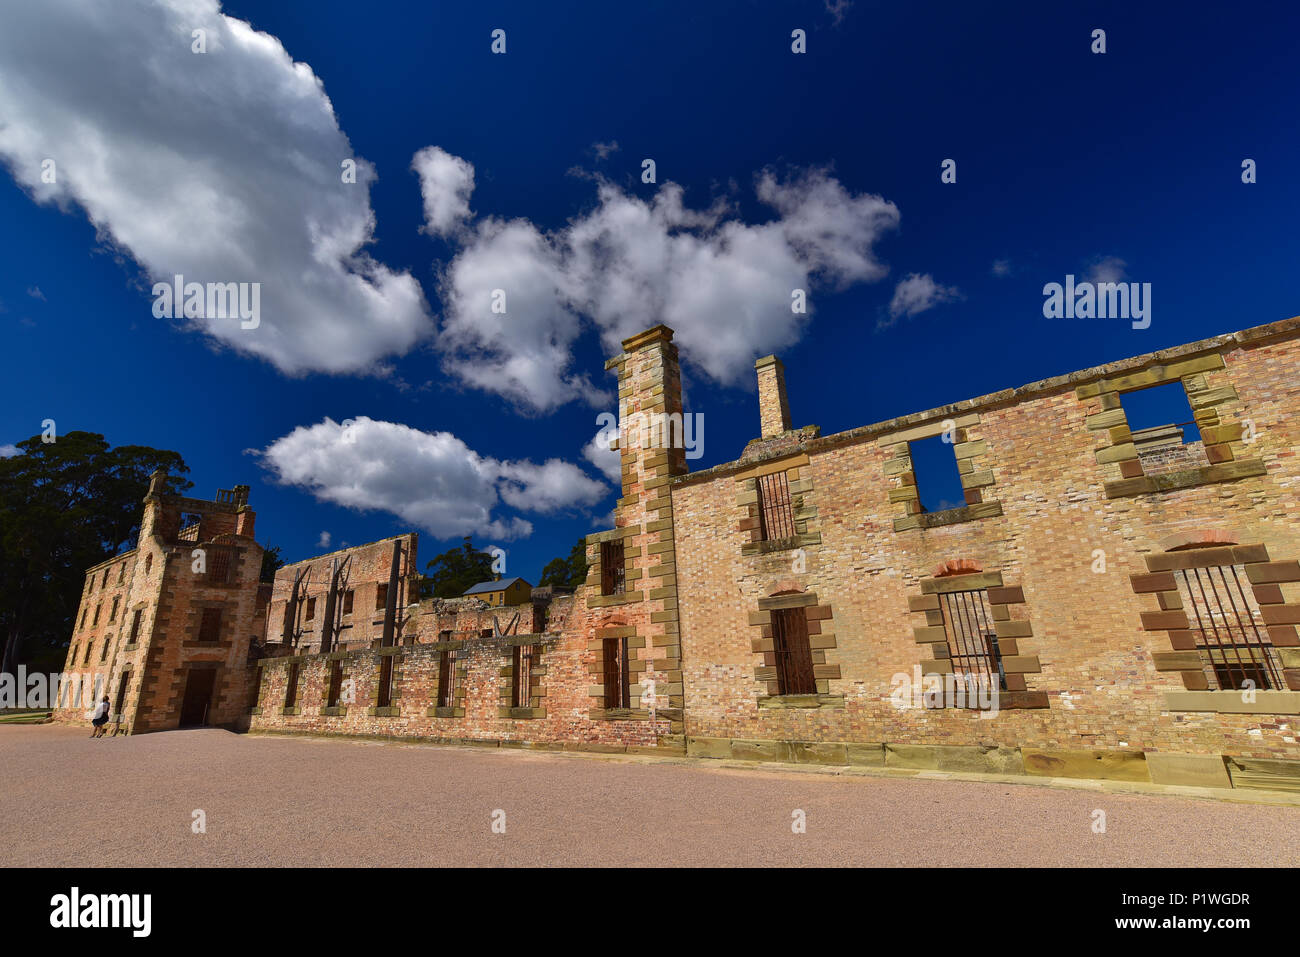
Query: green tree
[271, 563]
[64, 506]
[567, 572]
[455, 570]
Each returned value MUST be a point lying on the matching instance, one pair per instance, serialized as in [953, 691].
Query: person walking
[100, 719]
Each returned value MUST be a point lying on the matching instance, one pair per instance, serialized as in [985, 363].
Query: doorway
[199, 683]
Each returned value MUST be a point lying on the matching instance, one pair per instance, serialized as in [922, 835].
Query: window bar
[1242, 666]
[1243, 663]
[1265, 645]
[776, 514]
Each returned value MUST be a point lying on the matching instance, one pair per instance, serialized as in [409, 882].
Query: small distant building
[507, 591]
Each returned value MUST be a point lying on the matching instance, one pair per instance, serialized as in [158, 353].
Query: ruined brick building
[1132, 599]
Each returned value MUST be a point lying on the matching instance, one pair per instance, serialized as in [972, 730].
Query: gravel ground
[67, 800]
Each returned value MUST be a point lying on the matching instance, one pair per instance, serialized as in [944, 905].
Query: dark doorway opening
[199, 683]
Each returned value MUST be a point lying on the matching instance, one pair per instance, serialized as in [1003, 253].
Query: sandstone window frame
[1210, 403]
[628, 668]
[103, 653]
[451, 680]
[596, 567]
[133, 636]
[1280, 614]
[293, 677]
[208, 631]
[613, 568]
[119, 700]
[818, 622]
[522, 694]
[219, 568]
[387, 688]
[974, 468]
[1014, 633]
[335, 675]
[803, 515]
[616, 674]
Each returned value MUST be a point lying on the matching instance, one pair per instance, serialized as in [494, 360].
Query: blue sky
[1068, 162]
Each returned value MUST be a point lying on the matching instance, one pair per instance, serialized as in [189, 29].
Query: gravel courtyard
[67, 800]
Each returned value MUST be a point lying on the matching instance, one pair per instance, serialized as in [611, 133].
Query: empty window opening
[1228, 630]
[794, 664]
[189, 528]
[1164, 429]
[135, 627]
[612, 570]
[210, 625]
[336, 684]
[618, 692]
[381, 597]
[385, 697]
[103, 654]
[311, 609]
[938, 479]
[520, 694]
[775, 508]
[347, 602]
[122, 684]
[291, 686]
[972, 640]
[446, 678]
[89, 645]
[112, 612]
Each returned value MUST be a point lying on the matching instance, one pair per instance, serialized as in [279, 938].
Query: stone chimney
[773, 406]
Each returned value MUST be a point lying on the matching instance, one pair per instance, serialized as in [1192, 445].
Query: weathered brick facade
[188, 611]
[773, 607]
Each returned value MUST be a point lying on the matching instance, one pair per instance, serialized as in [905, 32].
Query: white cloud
[8, 451]
[446, 183]
[223, 166]
[915, 294]
[324, 540]
[1107, 269]
[1001, 267]
[599, 454]
[430, 479]
[722, 284]
[35, 293]
[603, 150]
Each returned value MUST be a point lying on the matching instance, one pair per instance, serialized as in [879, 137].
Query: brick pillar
[773, 406]
[652, 451]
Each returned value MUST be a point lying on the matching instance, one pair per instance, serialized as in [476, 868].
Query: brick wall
[1080, 651]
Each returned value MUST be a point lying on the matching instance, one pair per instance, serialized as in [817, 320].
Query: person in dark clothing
[100, 719]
